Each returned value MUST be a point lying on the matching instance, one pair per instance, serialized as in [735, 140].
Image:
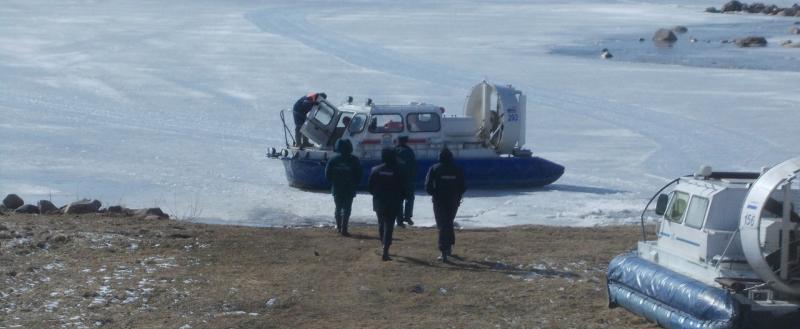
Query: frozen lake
[174, 103]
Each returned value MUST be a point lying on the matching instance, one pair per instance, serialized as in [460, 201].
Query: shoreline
[101, 271]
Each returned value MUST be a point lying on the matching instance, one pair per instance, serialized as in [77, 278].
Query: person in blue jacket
[445, 183]
[299, 113]
[407, 161]
[344, 172]
[387, 185]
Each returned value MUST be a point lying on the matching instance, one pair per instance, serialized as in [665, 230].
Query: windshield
[357, 123]
[678, 207]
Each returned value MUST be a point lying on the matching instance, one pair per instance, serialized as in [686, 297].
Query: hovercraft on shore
[727, 253]
[487, 142]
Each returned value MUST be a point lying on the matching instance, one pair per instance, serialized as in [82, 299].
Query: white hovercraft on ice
[727, 254]
[487, 142]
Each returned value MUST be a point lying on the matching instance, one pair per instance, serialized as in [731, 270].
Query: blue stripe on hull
[494, 172]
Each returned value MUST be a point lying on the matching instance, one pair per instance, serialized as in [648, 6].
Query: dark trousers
[344, 203]
[386, 219]
[445, 213]
[406, 206]
[299, 120]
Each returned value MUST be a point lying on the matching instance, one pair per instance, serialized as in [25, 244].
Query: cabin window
[324, 114]
[697, 212]
[423, 122]
[357, 123]
[345, 120]
[678, 207]
[386, 123]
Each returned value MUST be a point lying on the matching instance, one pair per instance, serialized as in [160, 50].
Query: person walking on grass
[407, 162]
[387, 185]
[445, 183]
[344, 173]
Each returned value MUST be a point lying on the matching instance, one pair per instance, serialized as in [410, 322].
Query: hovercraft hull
[488, 173]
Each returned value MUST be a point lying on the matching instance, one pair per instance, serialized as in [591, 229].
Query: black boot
[444, 257]
[409, 221]
[386, 255]
[338, 222]
[343, 229]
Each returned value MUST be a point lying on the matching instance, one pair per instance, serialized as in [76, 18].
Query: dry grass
[172, 273]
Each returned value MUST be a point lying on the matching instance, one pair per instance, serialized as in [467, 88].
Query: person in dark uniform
[344, 173]
[300, 111]
[445, 183]
[408, 165]
[387, 186]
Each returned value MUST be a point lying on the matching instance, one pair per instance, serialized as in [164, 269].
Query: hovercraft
[727, 253]
[487, 141]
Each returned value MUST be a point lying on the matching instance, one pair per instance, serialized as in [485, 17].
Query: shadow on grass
[461, 264]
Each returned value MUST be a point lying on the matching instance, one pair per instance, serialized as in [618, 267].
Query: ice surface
[173, 103]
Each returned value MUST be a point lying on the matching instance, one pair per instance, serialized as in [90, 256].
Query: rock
[771, 10]
[712, 10]
[786, 12]
[680, 29]
[790, 44]
[641, 39]
[27, 209]
[84, 206]
[13, 201]
[606, 54]
[692, 40]
[794, 30]
[732, 6]
[418, 289]
[186, 236]
[3, 227]
[6, 236]
[664, 35]
[750, 42]
[115, 210]
[47, 207]
[59, 238]
[756, 8]
[147, 212]
[798, 22]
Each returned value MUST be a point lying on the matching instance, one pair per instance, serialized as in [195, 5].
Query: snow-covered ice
[174, 103]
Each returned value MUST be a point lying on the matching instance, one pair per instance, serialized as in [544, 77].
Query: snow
[173, 104]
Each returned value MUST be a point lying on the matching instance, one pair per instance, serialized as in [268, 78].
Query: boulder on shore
[664, 35]
[732, 6]
[712, 10]
[750, 42]
[27, 209]
[84, 206]
[150, 213]
[680, 29]
[794, 30]
[47, 207]
[13, 201]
